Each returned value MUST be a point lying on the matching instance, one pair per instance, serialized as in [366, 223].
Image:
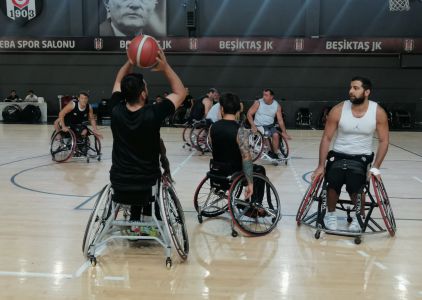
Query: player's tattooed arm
[243, 141]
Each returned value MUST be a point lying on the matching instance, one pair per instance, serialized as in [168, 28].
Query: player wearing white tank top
[355, 121]
[265, 111]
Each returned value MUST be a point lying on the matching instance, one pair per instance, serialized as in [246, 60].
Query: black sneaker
[272, 155]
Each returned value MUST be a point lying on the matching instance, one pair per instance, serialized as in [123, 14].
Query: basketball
[143, 51]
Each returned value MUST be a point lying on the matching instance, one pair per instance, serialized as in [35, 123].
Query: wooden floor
[45, 207]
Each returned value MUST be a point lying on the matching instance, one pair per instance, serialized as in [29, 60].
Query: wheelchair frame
[317, 192]
[258, 143]
[229, 200]
[104, 226]
[78, 146]
[195, 136]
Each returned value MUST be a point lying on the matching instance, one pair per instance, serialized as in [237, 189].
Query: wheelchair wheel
[97, 220]
[308, 198]
[209, 144]
[185, 136]
[284, 146]
[258, 215]
[175, 220]
[384, 205]
[256, 145]
[194, 136]
[93, 144]
[63, 145]
[211, 202]
[202, 140]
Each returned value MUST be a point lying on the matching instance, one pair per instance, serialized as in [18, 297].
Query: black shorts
[350, 170]
[136, 198]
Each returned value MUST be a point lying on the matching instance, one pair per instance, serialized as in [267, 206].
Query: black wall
[302, 80]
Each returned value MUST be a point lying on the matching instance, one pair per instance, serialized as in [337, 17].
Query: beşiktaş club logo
[98, 43]
[21, 11]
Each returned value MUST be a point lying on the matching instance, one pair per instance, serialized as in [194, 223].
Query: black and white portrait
[133, 17]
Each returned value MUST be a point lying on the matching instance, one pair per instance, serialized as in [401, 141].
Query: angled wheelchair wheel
[194, 135]
[175, 219]
[384, 205]
[256, 145]
[308, 198]
[186, 135]
[209, 201]
[284, 146]
[99, 215]
[202, 140]
[63, 145]
[259, 214]
[209, 143]
[93, 144]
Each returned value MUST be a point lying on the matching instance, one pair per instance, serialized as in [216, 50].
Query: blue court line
[85, 202]
[304, 176]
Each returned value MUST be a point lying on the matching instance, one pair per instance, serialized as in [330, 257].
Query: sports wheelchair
[65, 145]
[366, 202]
[195, 136]
[260, 145]
[218, 193]
[110, 220]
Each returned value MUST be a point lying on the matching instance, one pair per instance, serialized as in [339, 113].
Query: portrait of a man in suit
[134, 17]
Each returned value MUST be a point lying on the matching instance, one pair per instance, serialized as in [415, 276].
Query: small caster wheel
[200, 219]
[285, 163]
[168, 263]
[358, 240]
[93, 261]
[99, 158]
[234, 233]
[87, 160]
[317, 235]
[349, 219]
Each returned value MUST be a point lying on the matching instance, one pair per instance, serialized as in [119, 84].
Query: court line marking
[114, 278]
[19, 160]
[179, 167]
[87, 263]
[85, 202]
[380, 265]
[363, 253]
[417, 179]
[36, 275]
[13, 181]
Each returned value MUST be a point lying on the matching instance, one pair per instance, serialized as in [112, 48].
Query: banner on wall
[131, 18]
[219, 45]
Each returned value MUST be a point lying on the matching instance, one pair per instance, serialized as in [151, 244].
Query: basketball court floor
[45, 207]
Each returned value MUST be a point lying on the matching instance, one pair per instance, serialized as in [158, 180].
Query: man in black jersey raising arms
[135, 125]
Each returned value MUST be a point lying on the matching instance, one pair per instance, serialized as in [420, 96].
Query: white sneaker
[279, 154]
[330, 221]
[355, 226]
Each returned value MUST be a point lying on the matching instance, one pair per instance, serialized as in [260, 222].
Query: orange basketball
[143, 51]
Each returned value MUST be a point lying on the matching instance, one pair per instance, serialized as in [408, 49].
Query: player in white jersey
[355, 120]
[266, 110]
